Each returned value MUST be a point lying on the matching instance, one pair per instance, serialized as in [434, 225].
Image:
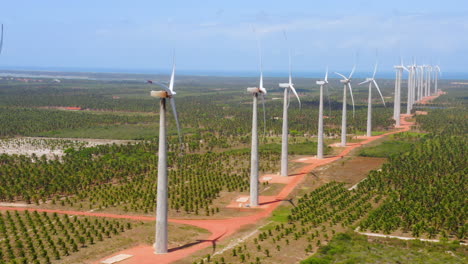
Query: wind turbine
[346, 81]
[284, 142]
[320, 121]
[369, 100]
[256, 91]
[167, 93]
[397, 96]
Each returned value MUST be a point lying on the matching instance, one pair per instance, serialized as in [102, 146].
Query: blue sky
[213, 35]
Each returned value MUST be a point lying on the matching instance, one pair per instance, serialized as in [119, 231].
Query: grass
[386, 149]
[349, 248]
[280, 215]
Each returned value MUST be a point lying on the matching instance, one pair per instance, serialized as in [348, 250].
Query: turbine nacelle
[253, 89]
[345, 81]
[285, 85]
[320, 82]
[160, 94]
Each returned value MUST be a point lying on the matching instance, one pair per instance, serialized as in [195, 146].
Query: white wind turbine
[167, 93]
[369, 100]
[320, 121]
[256, 91]
[284, 143]
[397, 95]
[347, 83]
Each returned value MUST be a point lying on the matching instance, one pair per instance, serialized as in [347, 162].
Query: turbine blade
[295, 93]
[289, 56]
[171, 83]
[352, 97]
[352, 71]
[329, 103]
[290, 77]
[375, 70]
[174, 111]
[259, 47]
[378, 89]
[326, 76]
[260, 87]
[344, 77]
[264, 114]
[1, 40]
[165, 88]
[364, 82]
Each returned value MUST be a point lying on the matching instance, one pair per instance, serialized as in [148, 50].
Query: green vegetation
[310, 223]
[124, 176]
[349, 248]
[30, 121]
[397, 144]
[425, 188]
[32, 237]
[421, 190]
[386, 149]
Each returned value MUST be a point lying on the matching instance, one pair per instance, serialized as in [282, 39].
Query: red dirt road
[219, 228]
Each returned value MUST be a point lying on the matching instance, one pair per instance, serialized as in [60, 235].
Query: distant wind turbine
[161, 199]
[397, 96]
[346, 81]
[284, 143]
[369, 100]
[256, 91]
[320, 121]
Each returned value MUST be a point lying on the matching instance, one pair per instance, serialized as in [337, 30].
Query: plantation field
[352, 248]
[410, 196]
[408, 184]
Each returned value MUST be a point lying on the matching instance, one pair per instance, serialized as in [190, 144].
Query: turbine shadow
[198, 241]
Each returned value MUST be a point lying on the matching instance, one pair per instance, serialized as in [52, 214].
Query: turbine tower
[369, 100]
[420, 83]
[320, 119]
[346, 81]
[426, 82]
[167, 93]
[429, 76]
[437, 72]
[256, 91]
[284, 142]
[411, 86]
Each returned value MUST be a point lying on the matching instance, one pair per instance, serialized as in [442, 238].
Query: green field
[351, 248]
